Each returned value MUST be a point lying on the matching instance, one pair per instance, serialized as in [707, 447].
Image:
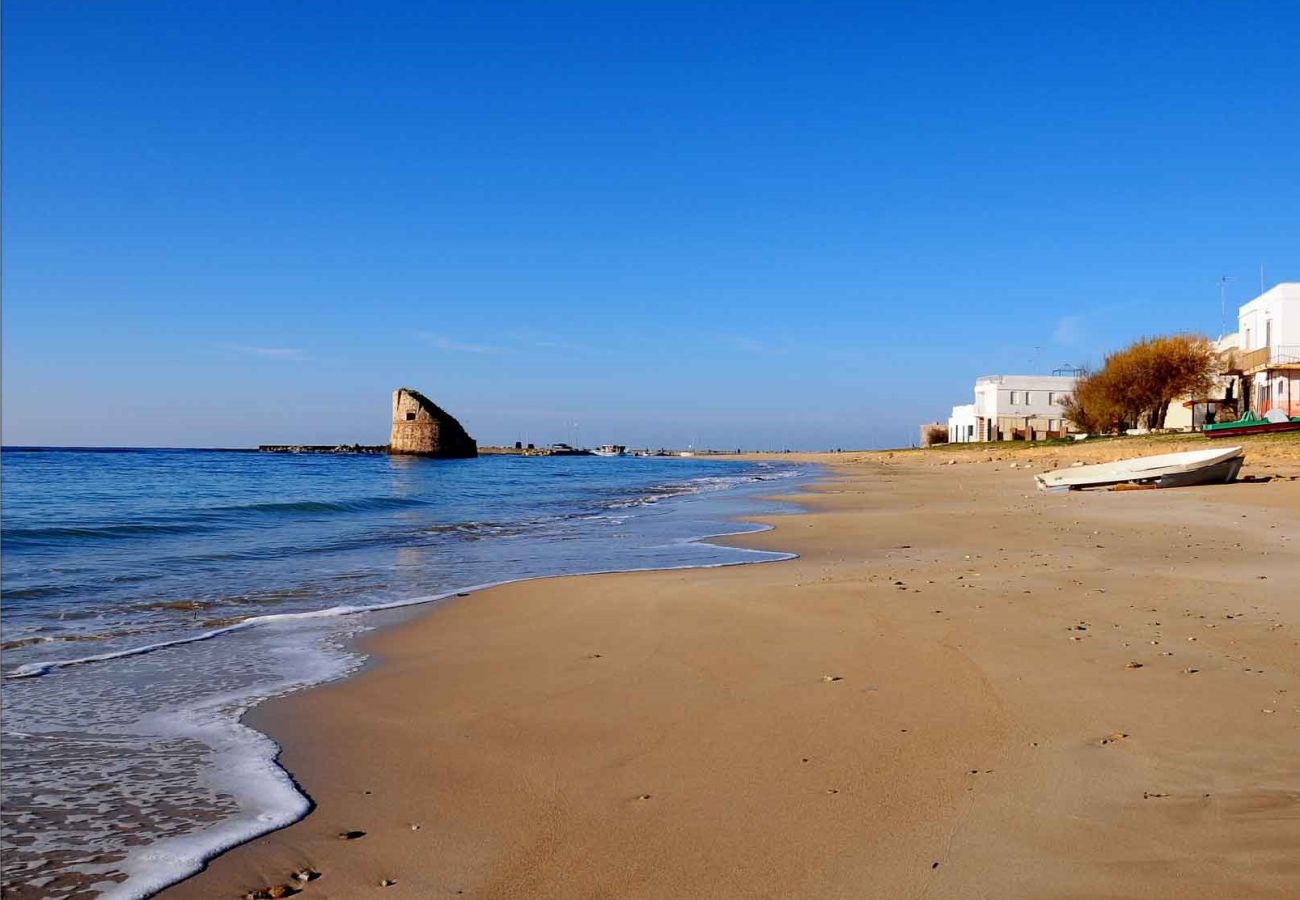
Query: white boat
[610, 450]
[1162, 470]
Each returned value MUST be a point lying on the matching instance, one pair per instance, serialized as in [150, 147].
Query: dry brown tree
[1136, 385]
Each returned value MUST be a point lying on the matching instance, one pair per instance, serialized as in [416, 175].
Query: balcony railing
[1247, 361]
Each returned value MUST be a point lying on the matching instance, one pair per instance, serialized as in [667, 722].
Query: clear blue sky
[729, 224]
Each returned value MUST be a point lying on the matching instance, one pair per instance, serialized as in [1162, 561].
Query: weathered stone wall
[422, 428]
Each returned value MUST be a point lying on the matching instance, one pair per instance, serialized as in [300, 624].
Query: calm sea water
[151, 597]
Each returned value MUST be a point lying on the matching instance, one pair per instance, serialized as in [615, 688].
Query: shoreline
[241, 775]
[482, 832]
[302, 803]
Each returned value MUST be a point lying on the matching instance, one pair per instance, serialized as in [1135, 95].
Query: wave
[37, 669]
[74, 638]
[360, 504]
[100, 532]
[706, 484]
[202, 519]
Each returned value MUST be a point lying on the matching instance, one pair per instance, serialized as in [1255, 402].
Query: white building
[1012, 407]
[962, 424]
[1267, 361]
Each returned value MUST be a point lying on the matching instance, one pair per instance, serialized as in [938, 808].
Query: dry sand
[963, 688]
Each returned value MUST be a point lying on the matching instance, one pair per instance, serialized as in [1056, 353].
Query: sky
[657, 224]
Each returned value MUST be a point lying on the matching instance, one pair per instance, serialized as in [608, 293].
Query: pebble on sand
[274, 892]
[351, 835]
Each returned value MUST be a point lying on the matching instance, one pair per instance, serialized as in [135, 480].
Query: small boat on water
[610, 450]
[564, 450]
[1162, 470]
[1272, 422]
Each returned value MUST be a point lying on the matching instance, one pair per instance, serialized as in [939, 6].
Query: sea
[152, 597]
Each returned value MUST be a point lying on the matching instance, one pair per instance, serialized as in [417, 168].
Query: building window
[410, 417]
[1027, 400]
[1013, 398]
[1051, 398]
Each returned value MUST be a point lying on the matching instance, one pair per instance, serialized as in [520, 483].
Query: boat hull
[1219, 473]
[1162, 470]
[1261, 428]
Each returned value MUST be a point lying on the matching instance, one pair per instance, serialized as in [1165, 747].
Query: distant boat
[566, 450]
[1272, 422]
[610, 450]
[1162, 470]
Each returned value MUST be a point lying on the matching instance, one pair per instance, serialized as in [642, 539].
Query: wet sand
[962, 688]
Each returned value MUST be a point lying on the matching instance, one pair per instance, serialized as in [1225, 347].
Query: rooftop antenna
[1223, 309]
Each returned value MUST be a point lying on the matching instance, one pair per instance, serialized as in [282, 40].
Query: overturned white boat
[1163, 470]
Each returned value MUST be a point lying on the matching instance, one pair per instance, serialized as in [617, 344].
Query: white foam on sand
[244, 767]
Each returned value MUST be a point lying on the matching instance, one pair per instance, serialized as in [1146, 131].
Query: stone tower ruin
[422, 428]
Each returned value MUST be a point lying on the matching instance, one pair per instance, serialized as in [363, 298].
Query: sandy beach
[962, 688]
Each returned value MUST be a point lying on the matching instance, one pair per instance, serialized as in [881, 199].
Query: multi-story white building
[1267, 361]
[1012, 407]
